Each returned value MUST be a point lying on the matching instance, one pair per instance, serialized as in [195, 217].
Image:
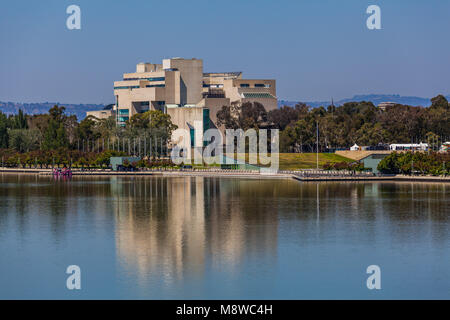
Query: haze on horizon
[314, 49]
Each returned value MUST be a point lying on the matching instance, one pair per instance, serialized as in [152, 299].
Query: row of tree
[55, 130]
[416, 163]
[71, 158]
[341, 127]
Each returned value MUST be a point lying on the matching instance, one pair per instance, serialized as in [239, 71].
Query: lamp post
[317, 145]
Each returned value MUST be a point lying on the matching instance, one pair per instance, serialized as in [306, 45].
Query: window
[124, 111]
[245, 85]
[149, 79]
[156, 79]
[156, 86]
[259, 85]
[205, 119]
[129, 87]
[192, 134]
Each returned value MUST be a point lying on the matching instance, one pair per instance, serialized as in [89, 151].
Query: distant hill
[80, 109]
[374, 98]
[36, 108]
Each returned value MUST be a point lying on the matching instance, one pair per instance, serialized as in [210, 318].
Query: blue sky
[315, 49]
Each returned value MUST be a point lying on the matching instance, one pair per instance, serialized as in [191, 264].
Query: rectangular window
[205, 119]
[130, 87]
[149, 79]
[205, 124]
[192, 134]
[156, 79]
[124, 111]
[245, 85]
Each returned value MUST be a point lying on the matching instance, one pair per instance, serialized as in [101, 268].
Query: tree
[86, 129]
[152, 119]
[70, 126]
[18, 121]
[3, 131]
[371, 134]
[55, 134]
[247, 116]
[433, 140]
[281, 118]
[153, 123]
[439, 102]
[23, 140]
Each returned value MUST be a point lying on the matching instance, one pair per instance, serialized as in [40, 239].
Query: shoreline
[237, 174]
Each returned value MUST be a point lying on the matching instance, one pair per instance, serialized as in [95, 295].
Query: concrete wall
[358, 155]
[100, 114]
[191, 82]
[372, 161]
[182, 116]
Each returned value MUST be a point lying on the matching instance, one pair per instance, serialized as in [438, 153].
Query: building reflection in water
[174, 227]
[182, 228]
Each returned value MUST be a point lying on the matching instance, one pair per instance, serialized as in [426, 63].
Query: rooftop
[222, 74]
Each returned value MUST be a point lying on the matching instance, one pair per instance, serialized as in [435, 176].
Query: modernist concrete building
[105, 113]
[180, 88]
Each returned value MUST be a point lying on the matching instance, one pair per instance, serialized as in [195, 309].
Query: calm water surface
[222, 238]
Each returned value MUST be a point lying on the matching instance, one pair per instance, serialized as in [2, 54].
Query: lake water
[222, 238]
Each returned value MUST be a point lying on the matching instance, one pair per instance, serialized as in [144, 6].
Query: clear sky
[315, 49]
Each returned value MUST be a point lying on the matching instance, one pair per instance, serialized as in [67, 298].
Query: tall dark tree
[18, 121]
[55, 135]
[247, 116]
[3, 131]
[282, 117]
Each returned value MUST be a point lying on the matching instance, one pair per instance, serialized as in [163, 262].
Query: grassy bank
[296, 161]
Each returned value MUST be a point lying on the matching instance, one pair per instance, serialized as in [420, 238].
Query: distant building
[192, 98]
[378, 147]
[105, 113]
[409, 147]
[384, 105]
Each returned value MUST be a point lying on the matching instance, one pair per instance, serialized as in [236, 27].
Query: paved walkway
[306, 175]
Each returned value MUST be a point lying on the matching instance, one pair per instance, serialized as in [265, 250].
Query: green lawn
[295, 161]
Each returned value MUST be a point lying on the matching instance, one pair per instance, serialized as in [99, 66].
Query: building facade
[192, 98]
[105, 113]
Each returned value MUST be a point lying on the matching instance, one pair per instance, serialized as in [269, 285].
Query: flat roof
[221, 74]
